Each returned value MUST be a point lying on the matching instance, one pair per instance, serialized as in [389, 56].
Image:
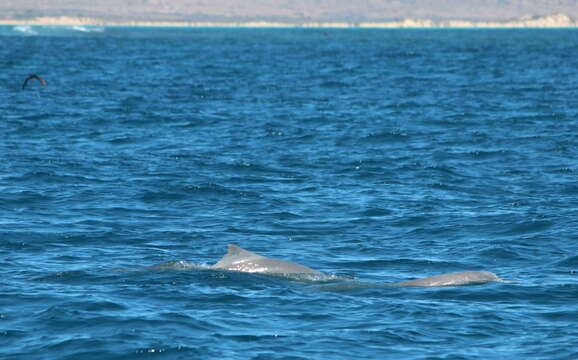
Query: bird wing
[25, 82]
[34, 76]
[42, 81]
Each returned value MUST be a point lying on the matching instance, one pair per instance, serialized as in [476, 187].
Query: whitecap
[25, 29]
[87, 29]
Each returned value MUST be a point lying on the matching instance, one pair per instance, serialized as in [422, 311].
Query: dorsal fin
[234, 255]
[239, 259]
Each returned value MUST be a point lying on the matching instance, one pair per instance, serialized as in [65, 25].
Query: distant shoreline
[550, 21]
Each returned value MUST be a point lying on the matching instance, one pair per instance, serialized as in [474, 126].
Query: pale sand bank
[551, 21]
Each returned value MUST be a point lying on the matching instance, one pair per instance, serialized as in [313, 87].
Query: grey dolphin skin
[453, 279]
[239, 259]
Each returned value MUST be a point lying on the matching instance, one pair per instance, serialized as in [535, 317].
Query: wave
[25, 29]
[88, 29]
[34, 30]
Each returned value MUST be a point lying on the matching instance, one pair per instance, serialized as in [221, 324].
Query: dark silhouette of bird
[34, 76]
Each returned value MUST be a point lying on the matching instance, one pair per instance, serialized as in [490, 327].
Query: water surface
[386, 155]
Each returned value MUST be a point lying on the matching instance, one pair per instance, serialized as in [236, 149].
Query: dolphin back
[453, 279]
[239, 259]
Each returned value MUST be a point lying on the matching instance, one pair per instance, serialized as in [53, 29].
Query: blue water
[385, 155]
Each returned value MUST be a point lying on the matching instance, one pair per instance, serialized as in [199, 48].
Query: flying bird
[34, 76]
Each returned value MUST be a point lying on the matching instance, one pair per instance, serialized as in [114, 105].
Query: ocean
[377, 156]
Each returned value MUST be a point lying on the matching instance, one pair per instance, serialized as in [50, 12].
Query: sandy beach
[551, 21]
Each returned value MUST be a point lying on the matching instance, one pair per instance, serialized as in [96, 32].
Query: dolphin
[239, 259]
[454, 279]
